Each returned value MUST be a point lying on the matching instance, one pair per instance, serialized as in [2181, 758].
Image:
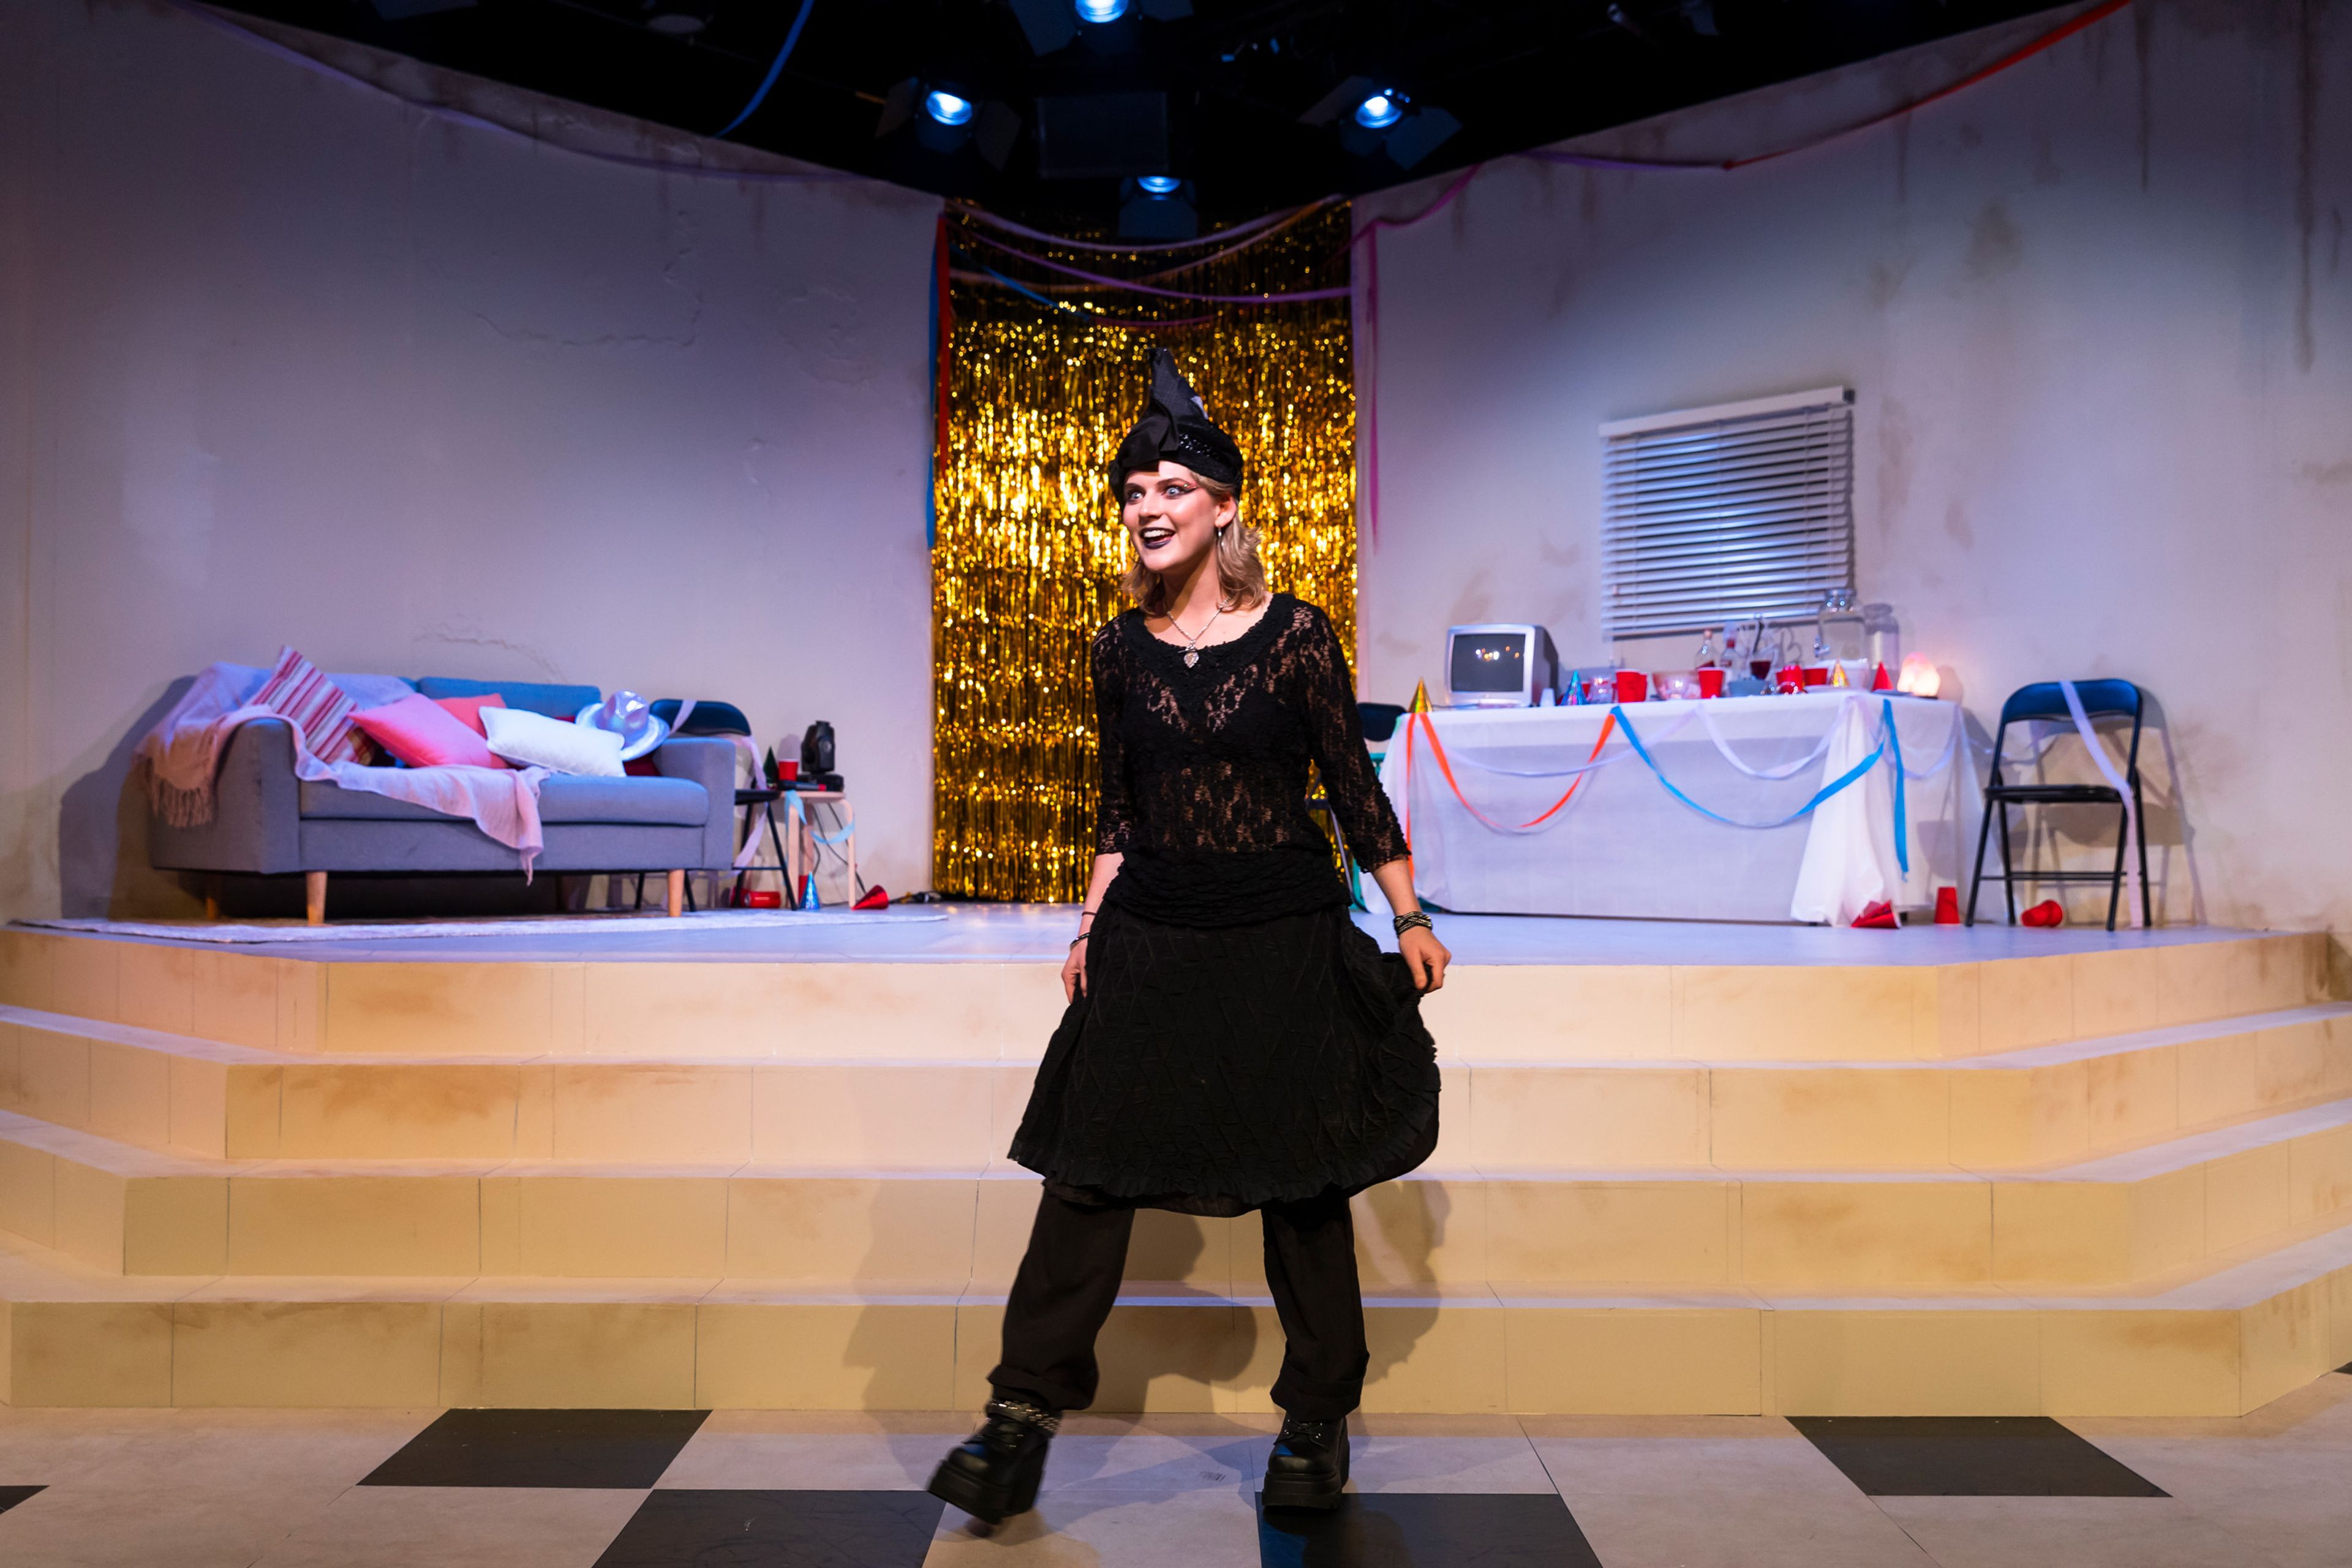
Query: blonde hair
[1241, 575]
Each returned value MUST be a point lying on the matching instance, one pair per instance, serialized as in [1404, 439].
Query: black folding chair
[2045, 701]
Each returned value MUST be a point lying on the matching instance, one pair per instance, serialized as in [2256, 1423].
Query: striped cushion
[314, 705]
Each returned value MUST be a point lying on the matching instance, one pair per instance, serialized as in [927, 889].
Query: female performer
[1232, 1042]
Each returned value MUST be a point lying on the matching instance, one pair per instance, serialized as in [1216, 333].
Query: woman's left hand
[1425, 958]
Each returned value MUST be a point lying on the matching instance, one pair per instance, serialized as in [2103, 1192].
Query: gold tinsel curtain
[1027, 548]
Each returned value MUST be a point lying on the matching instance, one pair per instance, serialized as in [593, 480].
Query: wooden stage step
[2107, 1221]
[2011, 1110]
[1688, 1011]
[2219, 1344]
[2115, 1177]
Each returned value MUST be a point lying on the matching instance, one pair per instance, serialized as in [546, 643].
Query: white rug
[517, 925]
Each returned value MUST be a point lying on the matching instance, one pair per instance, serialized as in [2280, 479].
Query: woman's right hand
[1074, 971]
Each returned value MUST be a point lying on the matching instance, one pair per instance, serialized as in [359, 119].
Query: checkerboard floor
[507, 1489]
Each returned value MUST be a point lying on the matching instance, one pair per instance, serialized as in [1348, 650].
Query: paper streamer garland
[1028, 549]
[1889, 748]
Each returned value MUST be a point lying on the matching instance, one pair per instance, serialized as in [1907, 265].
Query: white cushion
[535, 741]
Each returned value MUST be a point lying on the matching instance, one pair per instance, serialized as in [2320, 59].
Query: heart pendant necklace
[1192, 643]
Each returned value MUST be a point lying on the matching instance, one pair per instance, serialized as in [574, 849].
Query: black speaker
[816, 749]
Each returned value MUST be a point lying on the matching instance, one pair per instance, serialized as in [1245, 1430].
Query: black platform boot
[1308, 1467]
[993, 1474]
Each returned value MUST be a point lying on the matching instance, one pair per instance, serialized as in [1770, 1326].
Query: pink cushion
[318, 708]
[424, 734]
[468, 710]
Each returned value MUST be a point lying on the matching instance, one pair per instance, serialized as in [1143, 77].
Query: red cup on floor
[1947, 906]
[1710, 683]
[1877, 915]
[2048, 913]
[1632, 686]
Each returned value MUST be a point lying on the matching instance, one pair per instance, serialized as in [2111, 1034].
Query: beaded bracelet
[1407, 922]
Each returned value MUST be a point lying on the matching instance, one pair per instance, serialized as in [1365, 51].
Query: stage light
[1160, 184]
[947, 108]
[1101, 10]
[1380, 110]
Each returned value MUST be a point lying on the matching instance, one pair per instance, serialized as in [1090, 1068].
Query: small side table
[797, 839]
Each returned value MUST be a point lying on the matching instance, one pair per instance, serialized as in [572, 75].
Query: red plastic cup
[1816, 675]
[787, 771]
[1710, 683]
[1632, 686]
[1792, 679]
[1947, 906]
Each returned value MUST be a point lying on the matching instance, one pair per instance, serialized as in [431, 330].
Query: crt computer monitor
[1498, 666]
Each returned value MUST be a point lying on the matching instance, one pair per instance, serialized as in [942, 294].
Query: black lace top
[1204, 769]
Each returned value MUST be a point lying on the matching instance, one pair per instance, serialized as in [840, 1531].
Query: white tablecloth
[1624, 844]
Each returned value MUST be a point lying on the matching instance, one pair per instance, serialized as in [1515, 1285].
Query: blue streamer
[1849, 776]
[774, 70]
[1902, 828]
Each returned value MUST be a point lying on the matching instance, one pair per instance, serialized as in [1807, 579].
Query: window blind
[1712, 515]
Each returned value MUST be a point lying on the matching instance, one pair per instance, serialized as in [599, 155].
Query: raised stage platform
[1686, 1169]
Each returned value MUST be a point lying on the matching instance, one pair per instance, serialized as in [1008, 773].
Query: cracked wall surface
[2098, 313]
[285, 360]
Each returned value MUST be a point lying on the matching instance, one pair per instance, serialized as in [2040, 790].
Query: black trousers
[1070, 1274]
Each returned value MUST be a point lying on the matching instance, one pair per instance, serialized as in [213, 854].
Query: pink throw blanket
[182, 756]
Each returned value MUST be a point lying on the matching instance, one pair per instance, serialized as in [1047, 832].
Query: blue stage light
[1101, 10]
[947, 108]
[1380, 110]
[1159, 185]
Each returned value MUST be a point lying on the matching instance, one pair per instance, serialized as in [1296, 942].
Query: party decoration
[1042, 378]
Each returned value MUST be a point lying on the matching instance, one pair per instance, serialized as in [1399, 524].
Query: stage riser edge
[1005, 1011]
[960, 1115]
[1211, 1356]
[1853, 1235]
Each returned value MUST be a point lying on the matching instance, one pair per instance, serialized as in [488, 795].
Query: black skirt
[1214, 1069]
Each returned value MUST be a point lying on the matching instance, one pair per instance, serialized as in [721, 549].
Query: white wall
[2098, 311]
[286, 361]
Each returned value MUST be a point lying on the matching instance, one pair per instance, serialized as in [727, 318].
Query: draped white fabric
[1625, 846]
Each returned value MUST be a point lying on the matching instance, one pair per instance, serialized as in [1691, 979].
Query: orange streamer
[1445, 766]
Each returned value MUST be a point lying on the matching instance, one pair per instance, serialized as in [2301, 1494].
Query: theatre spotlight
[1157, 207]
[947, 108]
[1101, 10]
[1380, 110]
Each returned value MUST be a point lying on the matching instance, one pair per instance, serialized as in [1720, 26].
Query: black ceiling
[1236, 75]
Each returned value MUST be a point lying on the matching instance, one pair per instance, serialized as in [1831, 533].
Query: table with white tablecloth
[1479, 791]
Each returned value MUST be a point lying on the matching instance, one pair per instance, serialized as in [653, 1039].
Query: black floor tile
[625, 1448]
[1426, 1529]
[1968, 1456]
[11, 1496]
[687, 1529]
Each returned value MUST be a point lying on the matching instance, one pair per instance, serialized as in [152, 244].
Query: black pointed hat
[1175, 428]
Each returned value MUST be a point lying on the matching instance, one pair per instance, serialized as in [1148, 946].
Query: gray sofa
[266, 822]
